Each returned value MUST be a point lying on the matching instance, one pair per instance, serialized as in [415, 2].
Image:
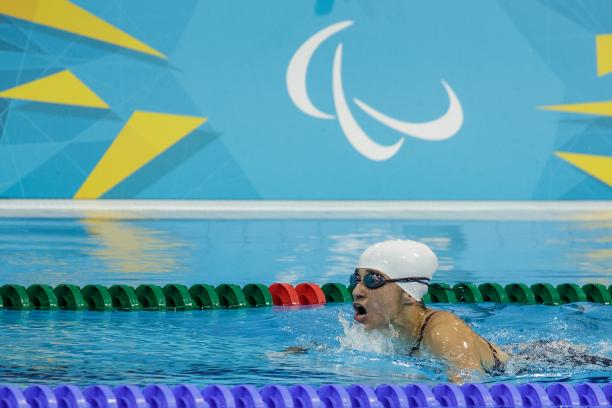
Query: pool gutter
[238, 209]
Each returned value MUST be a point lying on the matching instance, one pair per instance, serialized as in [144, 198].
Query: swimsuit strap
[417, 345]
[497, 365]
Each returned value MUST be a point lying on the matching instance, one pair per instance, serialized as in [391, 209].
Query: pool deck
[238, 209]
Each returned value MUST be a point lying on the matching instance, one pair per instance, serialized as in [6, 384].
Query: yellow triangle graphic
[66, 16]
[599, 167]
[61, 88]
[589, 108]
[145, 136]
[603, 44]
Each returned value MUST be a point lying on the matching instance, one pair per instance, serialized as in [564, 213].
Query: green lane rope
[336, 293]
[570, 293]
[257, 295]
[493, 292]
[204, 297]
[467, 293]
[520, 293]
[42, 297]
[15, 297]
[231, 296]
[178, 297]
[546, 293]
[151, 297]
[441, 293]
[124, 298]
[97, 297]
[69, 297]
[596, 292]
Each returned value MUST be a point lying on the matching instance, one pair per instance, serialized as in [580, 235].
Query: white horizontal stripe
[406, 210]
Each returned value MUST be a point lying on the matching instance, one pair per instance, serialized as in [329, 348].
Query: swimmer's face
[376, 308]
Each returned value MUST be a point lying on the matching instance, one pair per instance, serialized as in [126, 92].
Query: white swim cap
[402, 259]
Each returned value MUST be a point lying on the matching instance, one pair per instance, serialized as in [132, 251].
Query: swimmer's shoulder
[448, 337]
[447, 323]
[445, 331]
[442, 322]
[451, 325]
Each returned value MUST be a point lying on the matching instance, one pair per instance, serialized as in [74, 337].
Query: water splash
[550, 356]
[356, 338]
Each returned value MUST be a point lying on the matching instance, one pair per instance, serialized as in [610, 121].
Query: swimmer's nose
[359, 292]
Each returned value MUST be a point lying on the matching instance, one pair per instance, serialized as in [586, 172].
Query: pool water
[313, 345]
[250, 346]
[83, 251]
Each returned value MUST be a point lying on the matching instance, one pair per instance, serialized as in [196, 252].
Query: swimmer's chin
[370, 325]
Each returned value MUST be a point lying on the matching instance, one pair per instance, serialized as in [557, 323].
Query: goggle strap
[424, 281]
[437, 286]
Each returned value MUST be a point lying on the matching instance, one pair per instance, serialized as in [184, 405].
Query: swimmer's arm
[295, 350]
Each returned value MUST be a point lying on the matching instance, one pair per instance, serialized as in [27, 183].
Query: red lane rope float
[310, 294]
[283, 294]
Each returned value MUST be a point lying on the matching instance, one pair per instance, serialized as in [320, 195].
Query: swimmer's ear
[407, 299]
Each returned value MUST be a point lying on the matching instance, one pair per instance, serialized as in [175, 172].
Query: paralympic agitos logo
[444, 127]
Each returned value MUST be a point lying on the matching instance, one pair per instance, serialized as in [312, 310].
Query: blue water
[197, 251]
[249, 346]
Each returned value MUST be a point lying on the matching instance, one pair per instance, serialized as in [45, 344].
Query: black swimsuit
[498, 365]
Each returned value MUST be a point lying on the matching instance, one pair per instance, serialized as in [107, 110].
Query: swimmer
[388, 287]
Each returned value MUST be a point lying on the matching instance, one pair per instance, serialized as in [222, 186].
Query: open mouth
[360, 312]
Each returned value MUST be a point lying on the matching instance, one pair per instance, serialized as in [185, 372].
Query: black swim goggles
[374, 279]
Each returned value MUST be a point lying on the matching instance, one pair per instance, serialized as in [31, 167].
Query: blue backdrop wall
[434, 100]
